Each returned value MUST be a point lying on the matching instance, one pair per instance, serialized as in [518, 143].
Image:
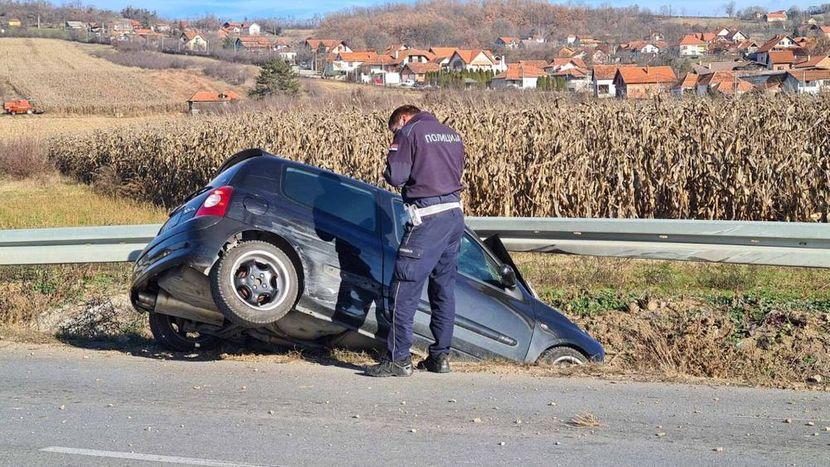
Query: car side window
[474, 262]
[332, 195]
[401, 218]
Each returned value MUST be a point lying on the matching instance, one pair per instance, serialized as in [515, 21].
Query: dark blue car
[296, 255]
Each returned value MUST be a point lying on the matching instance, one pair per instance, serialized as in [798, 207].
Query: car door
[490, 319]
[337, 222]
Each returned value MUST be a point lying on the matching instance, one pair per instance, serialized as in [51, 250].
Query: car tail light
[217, 202]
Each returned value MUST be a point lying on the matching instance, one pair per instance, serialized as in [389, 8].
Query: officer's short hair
[401, 111]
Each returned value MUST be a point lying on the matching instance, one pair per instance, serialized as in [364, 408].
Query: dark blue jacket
[425, 159]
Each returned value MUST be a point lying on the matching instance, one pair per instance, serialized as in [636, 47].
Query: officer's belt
[416, 214]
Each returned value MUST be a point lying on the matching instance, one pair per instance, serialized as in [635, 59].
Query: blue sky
[307, 8]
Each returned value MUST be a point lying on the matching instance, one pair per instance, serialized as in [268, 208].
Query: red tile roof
[647, 75]
[692, 39]
[782, 56]
[689, 81]
[772, 44]
[210, 96]
[422, 68]
[821, 61]
[357, 56]
[517, 71]
[810, 75]
[443, 52]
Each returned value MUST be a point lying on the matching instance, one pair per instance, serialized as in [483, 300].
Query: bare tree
[729, 9]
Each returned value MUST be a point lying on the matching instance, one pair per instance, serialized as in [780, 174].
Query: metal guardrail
[769, 243]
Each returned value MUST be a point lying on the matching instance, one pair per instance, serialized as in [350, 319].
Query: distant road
[63, 405]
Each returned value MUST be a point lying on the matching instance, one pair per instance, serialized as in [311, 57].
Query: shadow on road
[138, 345]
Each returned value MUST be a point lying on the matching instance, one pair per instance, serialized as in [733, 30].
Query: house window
[604, 89]
[332, 195]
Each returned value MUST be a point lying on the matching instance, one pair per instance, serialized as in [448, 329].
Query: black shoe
[390, 368]
[439, 364]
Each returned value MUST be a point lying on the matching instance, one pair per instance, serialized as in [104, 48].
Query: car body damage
[340, 237]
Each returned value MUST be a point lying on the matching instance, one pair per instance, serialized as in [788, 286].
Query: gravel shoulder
[298, 412]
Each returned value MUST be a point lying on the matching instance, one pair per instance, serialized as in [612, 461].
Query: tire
[254, 284]
[562, 356]
[172, 333]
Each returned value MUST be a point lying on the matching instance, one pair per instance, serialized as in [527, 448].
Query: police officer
[425, 160]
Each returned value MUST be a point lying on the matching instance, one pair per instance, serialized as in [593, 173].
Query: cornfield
[754, 158]
[63, 77]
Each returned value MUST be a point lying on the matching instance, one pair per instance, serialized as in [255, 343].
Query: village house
[821, 62]
[413, 56]
[638, 82]
[476, 60]
[254, 43]
[347, 63]
[326, 46]
[601, 54]
[807, 81]
[191, 40]
[692, 45]
[781, 59]
[442, 55]
[776, 17]
[381, 70]
[507, 42]
[233, 28]
[519, 76]
[204, 100]
[602, 80]
[564, 64]
[686, 86]
[14, 23]
[576, 80]
[416, 73]
[775, 44]
[639, 48]
[722, 82]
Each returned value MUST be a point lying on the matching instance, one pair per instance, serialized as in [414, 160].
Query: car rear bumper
[195, 244]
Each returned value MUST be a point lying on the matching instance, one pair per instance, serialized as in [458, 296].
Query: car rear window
[332, 195]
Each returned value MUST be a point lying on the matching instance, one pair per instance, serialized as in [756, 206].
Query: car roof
[254, 153]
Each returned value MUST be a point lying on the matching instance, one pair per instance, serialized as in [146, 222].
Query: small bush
[21, 159]
[227, 72]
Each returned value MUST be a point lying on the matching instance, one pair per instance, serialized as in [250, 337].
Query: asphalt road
[67, 406]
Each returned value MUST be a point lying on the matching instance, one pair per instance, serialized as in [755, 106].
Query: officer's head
[401, 116]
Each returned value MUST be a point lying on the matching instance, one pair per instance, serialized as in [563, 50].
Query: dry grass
[756, 158]
[585, 420]
[51, 201]
[61, 76]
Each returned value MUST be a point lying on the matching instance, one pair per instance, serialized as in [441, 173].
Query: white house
[347, 62]
[476, 60]
[190, 39]
[602, 80]
[519, 76]
[807, 81]
[692, 45]
[252, 29]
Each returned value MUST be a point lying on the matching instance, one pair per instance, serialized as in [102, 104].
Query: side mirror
[508, 276]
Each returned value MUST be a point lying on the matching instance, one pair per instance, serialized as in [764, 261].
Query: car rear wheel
[562, 356]
[254, 284]
[179, 334]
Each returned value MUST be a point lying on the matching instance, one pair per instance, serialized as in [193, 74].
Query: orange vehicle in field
[20, 106]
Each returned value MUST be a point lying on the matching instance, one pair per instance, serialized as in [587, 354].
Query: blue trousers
[428, 252]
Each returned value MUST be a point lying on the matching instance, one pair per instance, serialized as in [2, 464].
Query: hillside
[61, 76]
